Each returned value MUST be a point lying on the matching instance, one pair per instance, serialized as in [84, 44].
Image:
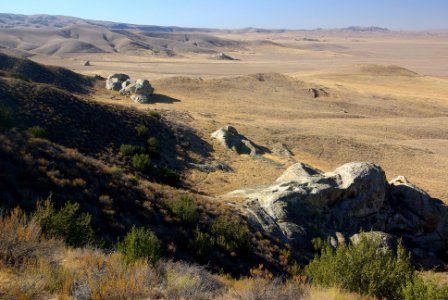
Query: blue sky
[291, 14]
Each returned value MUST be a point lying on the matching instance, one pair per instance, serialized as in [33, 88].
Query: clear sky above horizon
[292, 14]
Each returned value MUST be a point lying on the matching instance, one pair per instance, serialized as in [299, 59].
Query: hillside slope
[78, 158]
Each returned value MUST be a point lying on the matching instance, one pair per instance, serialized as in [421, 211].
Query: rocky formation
[87, 64]
[124, 85]
[304, 203]
[142, 90]
[139, 90]
[318, 92]
[114, 81]
[212, 167]
[281, 150]
[222, 56]
[231, 139]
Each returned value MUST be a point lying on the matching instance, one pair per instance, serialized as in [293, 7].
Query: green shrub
[202, 244]
[130, 150]
[5, 117]
[185, 208]
[68, 223]
[155, 114]
[230, 235]
[141, 162]
[424, 289]
[37, 132]
[142, 131]
[317, 244]
[153, 147]
[169, 176]
[18, 76]
[364, 268]
[140, 243]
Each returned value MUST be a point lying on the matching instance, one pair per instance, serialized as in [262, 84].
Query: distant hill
[60, 35]
[366, 29]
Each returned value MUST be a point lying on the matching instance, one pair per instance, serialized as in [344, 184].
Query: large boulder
[417, 215]
[305, 202]
[303, 198]
[142, 91]
[229, 137]
[114, 81]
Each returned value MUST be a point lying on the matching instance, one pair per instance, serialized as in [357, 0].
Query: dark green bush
[230, 235]
[185, 208]
[202, 244]
[18, 76]
[142, 131]
[5, 117]
[155, 114]
[364, 268]
[68, 223]
[140, 243]
[131, 150]
[169, 176]
[153, 147]
[37, 132]
[141, 162]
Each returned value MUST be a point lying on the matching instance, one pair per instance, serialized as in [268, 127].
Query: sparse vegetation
[230, 235]
[68, 223]
[37, 132]
[169, 176]
[140, 243]
[153, 147]
[185, 208]
[365, 268]
[155, 114]
[141, 162]
[142, 131]
[5, 116]
[202, 244]
[131, 150]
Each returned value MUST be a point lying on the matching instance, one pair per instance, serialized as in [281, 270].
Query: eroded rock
[304, 203]
[141, 91]
[231, 139]
[115, 81]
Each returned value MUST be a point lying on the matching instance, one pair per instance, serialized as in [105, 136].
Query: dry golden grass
[377, 110]
[67, 273]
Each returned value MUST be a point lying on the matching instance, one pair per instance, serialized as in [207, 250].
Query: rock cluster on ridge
[139, 90]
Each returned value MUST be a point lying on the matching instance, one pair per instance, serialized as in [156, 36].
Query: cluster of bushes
[368, 268]
[69, 224]
[185, 208]
[36, 268]
[141, 158]
[225, 233]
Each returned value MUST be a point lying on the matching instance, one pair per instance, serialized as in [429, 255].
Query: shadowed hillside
[59, 77]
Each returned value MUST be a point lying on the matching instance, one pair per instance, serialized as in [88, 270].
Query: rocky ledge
[305, 203]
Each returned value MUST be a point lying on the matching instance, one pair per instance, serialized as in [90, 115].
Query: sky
[285, 14]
